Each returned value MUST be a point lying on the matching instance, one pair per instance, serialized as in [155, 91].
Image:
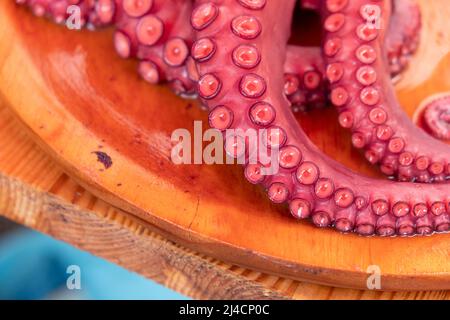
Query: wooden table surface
[35, 192]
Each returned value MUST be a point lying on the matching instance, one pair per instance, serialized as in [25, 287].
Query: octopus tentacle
[403, 35]
[364, 95]
[401, 42]
[315, 186]
[436, 116]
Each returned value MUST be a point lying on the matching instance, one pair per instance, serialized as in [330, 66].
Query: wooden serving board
[83, 105]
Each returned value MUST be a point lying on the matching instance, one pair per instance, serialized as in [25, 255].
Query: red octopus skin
[314, 185]
[364, 96]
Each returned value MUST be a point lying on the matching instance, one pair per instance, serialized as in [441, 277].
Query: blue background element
[34, 266]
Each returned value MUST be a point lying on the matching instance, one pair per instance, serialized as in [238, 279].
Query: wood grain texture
[81, 99]
[35, 192]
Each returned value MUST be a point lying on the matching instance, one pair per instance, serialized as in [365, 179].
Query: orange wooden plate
[77, 98]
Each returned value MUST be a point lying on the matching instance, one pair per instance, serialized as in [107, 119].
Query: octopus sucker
[229, 54]
[435, 112]
[364, 90]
